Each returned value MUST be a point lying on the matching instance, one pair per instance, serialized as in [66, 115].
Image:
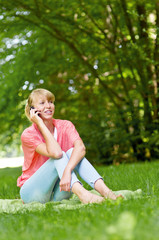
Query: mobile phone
[35, 111]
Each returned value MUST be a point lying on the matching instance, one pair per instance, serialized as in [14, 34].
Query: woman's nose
[47, 104]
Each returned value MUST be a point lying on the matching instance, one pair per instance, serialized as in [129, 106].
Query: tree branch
[156, 49]
[127, 19]
[92, 19]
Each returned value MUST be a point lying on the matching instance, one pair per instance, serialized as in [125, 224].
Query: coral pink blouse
[32, 137]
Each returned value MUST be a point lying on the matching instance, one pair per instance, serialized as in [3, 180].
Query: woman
[52, 150]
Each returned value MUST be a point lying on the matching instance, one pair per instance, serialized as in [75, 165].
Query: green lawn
[130, 219]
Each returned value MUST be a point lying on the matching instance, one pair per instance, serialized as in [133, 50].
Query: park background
[100, 58]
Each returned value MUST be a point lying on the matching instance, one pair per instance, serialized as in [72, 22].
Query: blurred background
[101, 60]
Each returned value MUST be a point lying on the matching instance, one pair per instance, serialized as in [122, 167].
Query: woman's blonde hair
[35, 94]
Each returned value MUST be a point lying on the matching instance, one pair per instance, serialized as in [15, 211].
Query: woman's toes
[92, 198]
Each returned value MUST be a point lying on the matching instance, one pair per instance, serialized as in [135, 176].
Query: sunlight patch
[11, 162]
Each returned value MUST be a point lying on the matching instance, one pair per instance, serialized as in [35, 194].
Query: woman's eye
[41, 102]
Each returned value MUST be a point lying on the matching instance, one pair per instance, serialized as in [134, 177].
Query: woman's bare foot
[105, 191]
[91, 198]
[84, 195]
[111, 195]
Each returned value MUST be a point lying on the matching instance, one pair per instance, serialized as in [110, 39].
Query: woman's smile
[48, 112]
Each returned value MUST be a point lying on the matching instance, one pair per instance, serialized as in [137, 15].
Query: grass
[120, 220]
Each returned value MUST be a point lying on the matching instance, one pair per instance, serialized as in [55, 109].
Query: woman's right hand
[34, 116]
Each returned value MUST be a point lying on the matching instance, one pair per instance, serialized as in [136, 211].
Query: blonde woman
[52, 150]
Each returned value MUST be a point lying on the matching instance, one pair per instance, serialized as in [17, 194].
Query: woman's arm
[78, 153]
[50, 148]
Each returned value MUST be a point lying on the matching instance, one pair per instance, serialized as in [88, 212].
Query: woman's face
[44, 106]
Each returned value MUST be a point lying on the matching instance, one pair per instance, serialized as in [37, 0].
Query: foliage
[132, 219]
[100, 59]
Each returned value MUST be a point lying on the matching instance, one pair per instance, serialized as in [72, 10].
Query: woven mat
[13, 206]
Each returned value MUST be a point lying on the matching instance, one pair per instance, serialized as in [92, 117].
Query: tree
[102, 63]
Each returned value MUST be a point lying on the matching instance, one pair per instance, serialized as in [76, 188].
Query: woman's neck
[49, 125]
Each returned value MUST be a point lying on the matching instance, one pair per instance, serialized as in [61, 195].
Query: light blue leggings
[43, 185]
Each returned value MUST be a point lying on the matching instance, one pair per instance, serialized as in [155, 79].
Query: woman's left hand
[65, 182]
